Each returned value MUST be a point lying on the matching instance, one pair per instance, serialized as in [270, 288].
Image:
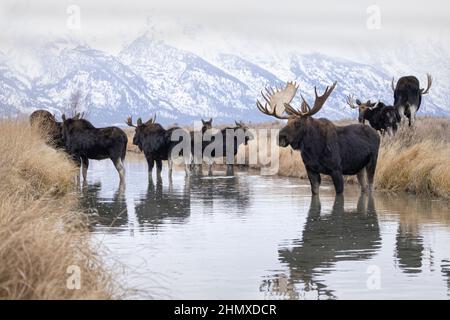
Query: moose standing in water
[155, 142]
[83, 141]
[408, 96]
[324, 147]
[225, 143]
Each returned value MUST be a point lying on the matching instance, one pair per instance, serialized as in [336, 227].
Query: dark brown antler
[152, 121]
[276, 100]
[130, 122]
[305, 109]
[429, 83]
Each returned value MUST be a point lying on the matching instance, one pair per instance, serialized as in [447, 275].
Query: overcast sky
[338, 26]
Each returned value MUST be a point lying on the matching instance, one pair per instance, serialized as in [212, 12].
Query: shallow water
[265, 237]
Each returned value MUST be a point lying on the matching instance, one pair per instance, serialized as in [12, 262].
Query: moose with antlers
[155, 142]
[408, 96]
[228, 141]
[381, 117]
[325, 148]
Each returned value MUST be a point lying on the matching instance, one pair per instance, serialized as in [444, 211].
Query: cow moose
[83, 141]
[229, 140]
[381, 117]
[408, 96]
[325, 148]
[155, 142]
[197, 153]
[47, 125]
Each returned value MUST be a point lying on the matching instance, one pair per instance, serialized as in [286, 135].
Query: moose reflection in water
[342, 235]
[108, 212]
[409, 248]
[160, 205]
[213, 191]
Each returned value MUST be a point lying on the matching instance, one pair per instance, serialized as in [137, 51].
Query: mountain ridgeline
[150, 76]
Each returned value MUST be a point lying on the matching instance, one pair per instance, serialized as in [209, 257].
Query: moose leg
[188, 164]
[362, 180]
[314, 180]
[120, 169]
[158, 168]
[77, 161]
[170, 165]
[209, 162]
[338, 181]
[84, 169]
[150, 164]
[370, 170]
[230, 169]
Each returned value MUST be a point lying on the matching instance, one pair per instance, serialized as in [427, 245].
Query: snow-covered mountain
[150, 76]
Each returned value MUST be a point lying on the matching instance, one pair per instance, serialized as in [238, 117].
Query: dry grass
[416, 160]
[41, 234]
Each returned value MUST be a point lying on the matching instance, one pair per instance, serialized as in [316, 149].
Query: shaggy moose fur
[239, 134]
[381, 117]
[83, 141]
[333, 150]
[324, 147]
[408, 96]
[155, 142]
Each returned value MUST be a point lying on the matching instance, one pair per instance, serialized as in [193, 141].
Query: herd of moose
[325, 148]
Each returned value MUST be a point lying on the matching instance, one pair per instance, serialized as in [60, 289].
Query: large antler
[350, 102]
[305, 109]
[130, 122]
[276, 100]
[429, 83]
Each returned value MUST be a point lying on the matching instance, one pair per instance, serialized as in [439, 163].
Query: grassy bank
[416, 160]
[41, 234]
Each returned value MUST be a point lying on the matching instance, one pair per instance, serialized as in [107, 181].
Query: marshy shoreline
[45, 246]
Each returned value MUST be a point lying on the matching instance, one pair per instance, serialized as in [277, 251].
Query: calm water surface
[265, 237]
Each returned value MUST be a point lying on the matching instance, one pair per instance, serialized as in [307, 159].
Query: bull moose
[381, 117]
[325, 148]
[155, 142]
[408, 96]
[46, 123]
[83, 141]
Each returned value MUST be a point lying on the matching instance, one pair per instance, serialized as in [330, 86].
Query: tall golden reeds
[43, 239]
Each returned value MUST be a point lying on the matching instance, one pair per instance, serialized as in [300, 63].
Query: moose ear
[139, 122]
[63, 117]
[358, 102]
[203, 121]
[210, 120]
